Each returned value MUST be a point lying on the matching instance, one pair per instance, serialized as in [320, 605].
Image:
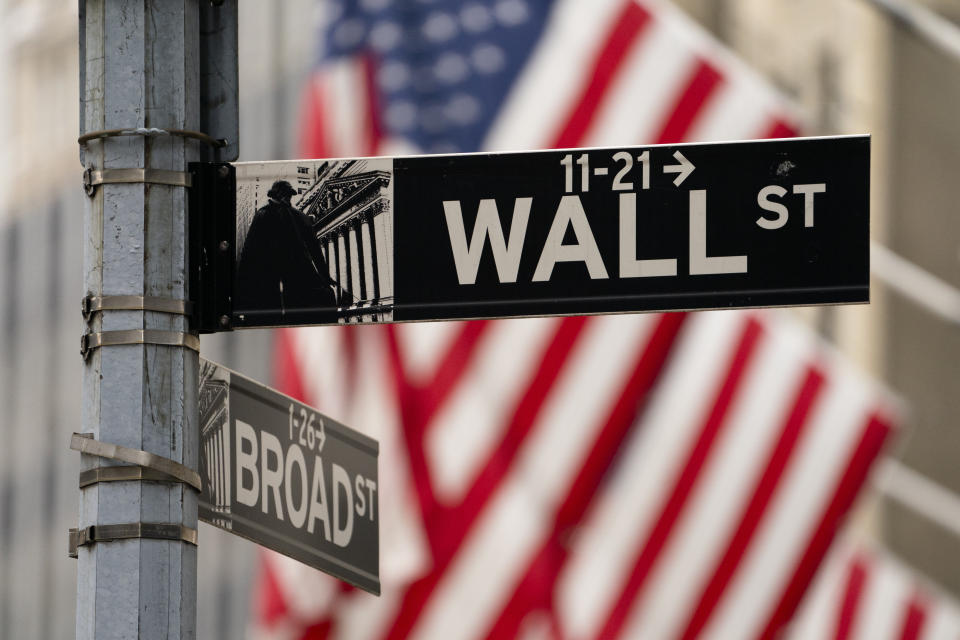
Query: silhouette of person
[281, 266]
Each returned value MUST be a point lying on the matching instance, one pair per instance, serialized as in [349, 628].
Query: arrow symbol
[683, 170]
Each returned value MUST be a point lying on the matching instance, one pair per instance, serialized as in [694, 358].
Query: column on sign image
[382, 237]
[353, 256]
[215, 444]
[333, 259]
[374, 225]
[369, 251]
[353, 226]
[344, 264]
[356, 265]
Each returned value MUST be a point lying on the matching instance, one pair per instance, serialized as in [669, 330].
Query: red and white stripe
[739, 481]
[342, 93]
[625, 476]
[653, 476]
[605, 73]
[865, 593]
[616, 72]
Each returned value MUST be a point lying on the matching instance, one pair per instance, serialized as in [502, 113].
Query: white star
[512, 12]
[393, 76]
[439, 27]
[385, 36]
[401, 115]
[463, 109]
[488, 58]
[451, 68]
[476, 18]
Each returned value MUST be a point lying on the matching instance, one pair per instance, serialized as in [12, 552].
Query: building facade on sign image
[214, 402]
[315, 238]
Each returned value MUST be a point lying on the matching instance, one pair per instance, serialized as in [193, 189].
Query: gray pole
[138, 69]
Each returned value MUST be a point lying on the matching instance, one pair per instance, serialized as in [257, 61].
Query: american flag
[442, 76]
[864, 593]
[652, 476]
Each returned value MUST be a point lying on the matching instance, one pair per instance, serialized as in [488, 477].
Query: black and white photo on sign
[215, 441]
[316, 236]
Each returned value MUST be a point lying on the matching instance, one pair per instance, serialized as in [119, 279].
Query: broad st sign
[700, 226]
[279, 473]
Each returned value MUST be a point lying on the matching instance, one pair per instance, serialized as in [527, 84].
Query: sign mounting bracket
[212, 223]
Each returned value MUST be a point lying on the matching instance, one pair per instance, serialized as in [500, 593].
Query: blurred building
[853, 68]
[848, 64]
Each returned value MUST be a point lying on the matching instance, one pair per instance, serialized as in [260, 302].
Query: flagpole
[927, 24]
[920, 494]
[934, 294]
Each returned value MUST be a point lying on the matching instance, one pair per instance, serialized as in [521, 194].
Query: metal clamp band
[152, 131]
[84, 443]
[91, 341]
[110, 532]
[120, 474]
[92, 304]
[94, 177]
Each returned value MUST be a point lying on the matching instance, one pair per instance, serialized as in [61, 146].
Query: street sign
[659, 228]
[277, 472]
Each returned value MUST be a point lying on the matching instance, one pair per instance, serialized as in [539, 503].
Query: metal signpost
[703, 226]
[157, 91]
[137, 554]
[278, 473]
[700, 226]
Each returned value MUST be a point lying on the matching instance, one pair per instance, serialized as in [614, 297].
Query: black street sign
[660, 228]
[277, 472]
